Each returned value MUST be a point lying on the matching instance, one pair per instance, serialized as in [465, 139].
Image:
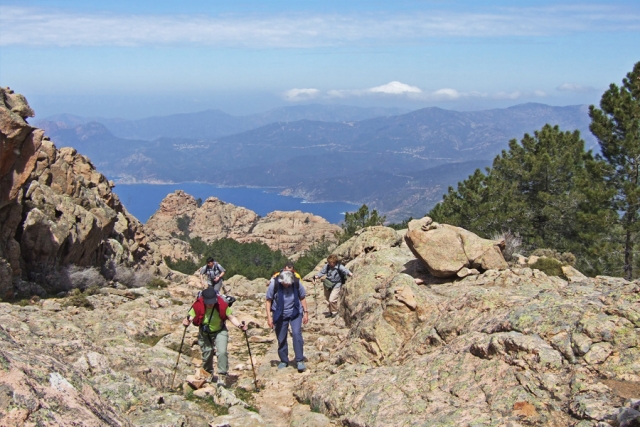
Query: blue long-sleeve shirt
[333, 275]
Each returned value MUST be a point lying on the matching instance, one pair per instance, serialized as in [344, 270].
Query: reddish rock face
[56, 210]
[291, 232]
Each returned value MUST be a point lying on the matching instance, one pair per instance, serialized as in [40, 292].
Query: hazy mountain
[399, 164]
[215, 123]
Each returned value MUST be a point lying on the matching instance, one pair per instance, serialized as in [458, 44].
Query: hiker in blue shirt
[286, 305]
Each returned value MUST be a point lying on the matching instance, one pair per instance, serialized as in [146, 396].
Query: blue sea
[143, 200]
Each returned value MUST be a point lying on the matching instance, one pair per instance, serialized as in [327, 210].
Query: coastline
[144, 199]
[282, 191]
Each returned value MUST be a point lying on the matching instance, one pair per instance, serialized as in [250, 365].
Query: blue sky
[140, 58]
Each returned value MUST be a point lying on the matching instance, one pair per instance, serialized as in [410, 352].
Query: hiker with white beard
[286, 306]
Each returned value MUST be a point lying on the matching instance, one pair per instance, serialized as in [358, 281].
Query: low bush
[157, 283]
[565, 258]
[549, 266]
[77, 298]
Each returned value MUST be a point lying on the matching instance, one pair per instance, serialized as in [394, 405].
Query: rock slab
[446, 249]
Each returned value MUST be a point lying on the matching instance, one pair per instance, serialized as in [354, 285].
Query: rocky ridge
[57, 210]
[290, 232]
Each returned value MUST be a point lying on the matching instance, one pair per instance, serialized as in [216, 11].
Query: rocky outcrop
[446, 250]
[370, 239]
[56, 210]
[211, 221]
[510, 347]
[290, 232]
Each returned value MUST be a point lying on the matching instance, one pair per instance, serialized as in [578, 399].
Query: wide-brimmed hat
[210, 296]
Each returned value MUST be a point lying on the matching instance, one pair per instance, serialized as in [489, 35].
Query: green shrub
[549, 266]
[185, 266]
[157, 283]
[252, 260]
[92, 290]
[77, 298]
[358, 220]
[565, 258]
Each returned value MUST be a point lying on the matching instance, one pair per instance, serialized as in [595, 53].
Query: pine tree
[546, 188]
[357, 220]
[616, 125]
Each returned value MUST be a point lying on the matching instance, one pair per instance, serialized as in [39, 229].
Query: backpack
[277, 273]
[343, 277]
[215, 269]
[274, 306]
[200, 309]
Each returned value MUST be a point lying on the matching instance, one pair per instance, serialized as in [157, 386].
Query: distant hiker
[336, 274]
[287, 267]
[209, 313]
[286, 306]
[211, 274]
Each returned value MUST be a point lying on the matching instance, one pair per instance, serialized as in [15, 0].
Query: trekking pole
[255, 380]
[315, 296]
[178, 360]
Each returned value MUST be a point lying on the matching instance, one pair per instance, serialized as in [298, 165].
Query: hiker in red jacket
[213, 330]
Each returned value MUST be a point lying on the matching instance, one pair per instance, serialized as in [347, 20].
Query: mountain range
[400, 164]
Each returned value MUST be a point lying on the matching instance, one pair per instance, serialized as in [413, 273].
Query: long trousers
[219, 340]
[282, 331]
[332, 296]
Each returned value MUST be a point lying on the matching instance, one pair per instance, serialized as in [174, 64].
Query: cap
[210, 296]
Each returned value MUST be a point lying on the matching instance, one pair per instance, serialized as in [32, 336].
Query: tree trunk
[628, 256]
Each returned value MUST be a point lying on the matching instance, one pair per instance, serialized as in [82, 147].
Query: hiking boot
[301, 367]
[222, 380]
[282, 365]
[334, 314]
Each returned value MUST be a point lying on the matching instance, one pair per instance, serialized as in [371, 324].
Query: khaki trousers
[332, 296]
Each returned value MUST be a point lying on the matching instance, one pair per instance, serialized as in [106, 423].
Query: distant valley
[400, 164]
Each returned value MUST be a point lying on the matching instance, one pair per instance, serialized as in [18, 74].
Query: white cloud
[415, 93]
[46, 27]
[296, 95]
[395, 88]
[446, 93]
[338, 93]
[572, 87]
